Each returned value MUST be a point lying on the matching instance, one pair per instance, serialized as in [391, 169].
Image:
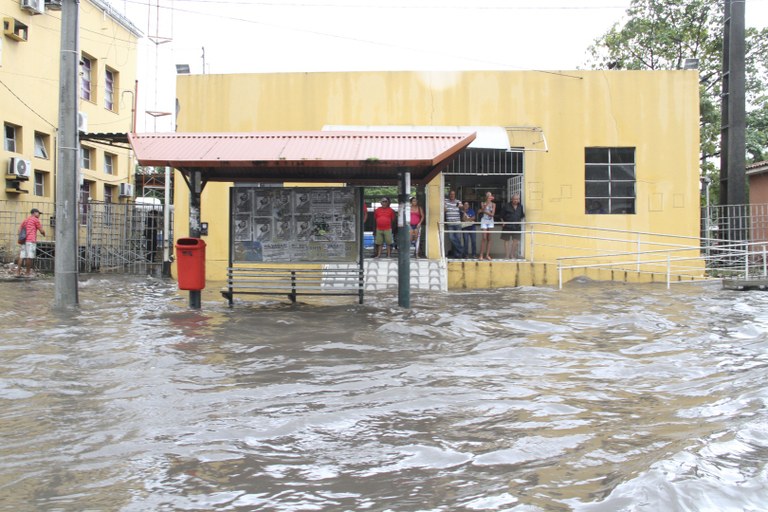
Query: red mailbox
[190, 258]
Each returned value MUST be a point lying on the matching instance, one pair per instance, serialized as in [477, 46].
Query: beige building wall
[29, 97]
[656, 112]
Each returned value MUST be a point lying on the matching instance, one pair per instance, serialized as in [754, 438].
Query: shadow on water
[597, 397]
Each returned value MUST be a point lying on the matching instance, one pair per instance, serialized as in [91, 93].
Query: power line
[27, 105]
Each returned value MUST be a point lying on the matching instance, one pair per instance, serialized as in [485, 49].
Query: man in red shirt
[29, 247]
[384, 217]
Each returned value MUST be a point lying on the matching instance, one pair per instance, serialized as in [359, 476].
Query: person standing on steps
[512, 214]
[32, 225]
[416, 221]
[384, 216]
[487, 210]
[468, 230]
[453, 209]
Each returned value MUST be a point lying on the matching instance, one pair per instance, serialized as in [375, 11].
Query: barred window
[610, 180]
[486, 162]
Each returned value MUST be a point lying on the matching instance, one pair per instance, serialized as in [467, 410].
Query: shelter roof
[313, 156]
[487, 137]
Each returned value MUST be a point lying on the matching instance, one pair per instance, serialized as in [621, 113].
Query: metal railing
[112, 237]
[671, 257]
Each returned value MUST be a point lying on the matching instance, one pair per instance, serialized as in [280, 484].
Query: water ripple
[593, 398]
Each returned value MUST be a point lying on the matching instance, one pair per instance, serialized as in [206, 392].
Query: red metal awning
[357, 158]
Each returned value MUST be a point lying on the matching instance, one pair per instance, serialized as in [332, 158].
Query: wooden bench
[292, 282]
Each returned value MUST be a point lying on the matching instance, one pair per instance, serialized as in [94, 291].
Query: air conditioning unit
[20, 167]
[33, 6]
[82, 122]
[126, 190]
[54, 5]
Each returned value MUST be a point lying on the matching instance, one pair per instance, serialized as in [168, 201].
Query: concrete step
[381, 274]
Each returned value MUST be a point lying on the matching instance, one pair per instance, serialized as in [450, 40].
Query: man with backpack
[28, 240]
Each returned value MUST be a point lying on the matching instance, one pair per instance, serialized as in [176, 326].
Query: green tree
[661, 34]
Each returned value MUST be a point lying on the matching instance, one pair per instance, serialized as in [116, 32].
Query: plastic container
[190, 263]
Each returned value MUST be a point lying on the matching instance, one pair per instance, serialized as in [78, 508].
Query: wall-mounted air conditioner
[33, 6]
[82, 122]
[20, 167]
[126, 190]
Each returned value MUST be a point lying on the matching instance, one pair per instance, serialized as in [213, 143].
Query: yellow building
[606, 161]
[29, 100]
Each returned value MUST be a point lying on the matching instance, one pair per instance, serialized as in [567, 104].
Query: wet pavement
[597, 397]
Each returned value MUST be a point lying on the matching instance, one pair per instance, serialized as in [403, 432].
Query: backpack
[23, 234]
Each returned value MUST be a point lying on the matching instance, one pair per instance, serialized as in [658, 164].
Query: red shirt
[384, 216]
[33, 224]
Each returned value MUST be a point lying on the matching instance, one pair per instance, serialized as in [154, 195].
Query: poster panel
[281, 225]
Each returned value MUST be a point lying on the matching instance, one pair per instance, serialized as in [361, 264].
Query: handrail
[665, 251]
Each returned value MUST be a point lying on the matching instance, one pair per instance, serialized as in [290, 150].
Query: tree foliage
[661, 34]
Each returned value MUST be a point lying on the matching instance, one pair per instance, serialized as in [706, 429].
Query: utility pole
[65, 259]
[732, 134]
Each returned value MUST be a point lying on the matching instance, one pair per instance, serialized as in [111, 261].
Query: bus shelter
[340, 157]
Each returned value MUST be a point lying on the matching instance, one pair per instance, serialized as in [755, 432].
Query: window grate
[481, 161]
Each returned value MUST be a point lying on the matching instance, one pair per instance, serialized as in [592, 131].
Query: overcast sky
[242, 36]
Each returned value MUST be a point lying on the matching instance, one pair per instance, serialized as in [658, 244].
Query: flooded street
[598, 397]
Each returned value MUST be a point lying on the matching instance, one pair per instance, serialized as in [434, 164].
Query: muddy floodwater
[597, 397]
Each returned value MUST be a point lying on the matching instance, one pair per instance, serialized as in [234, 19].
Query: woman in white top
[488, 210]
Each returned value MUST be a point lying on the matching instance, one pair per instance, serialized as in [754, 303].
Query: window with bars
[482, 161]
[609, 180]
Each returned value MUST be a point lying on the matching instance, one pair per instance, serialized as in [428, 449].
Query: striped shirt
[33, 224]
[452, 211]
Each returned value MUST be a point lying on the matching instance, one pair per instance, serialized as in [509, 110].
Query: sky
[251, 36]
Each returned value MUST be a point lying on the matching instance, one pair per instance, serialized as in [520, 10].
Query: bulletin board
[285, 225]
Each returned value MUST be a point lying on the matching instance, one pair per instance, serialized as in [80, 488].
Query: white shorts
[28, 250]
[486, 223]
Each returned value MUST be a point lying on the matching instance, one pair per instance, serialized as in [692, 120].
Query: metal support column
[195, 190]
[363, 213]
[404, 242]
[167, 240]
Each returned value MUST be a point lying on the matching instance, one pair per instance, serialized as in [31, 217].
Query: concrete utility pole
[65, 260]
[732, 136]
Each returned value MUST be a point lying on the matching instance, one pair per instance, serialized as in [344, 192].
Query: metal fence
[128, 237]
[733, 224]
[120, 238]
